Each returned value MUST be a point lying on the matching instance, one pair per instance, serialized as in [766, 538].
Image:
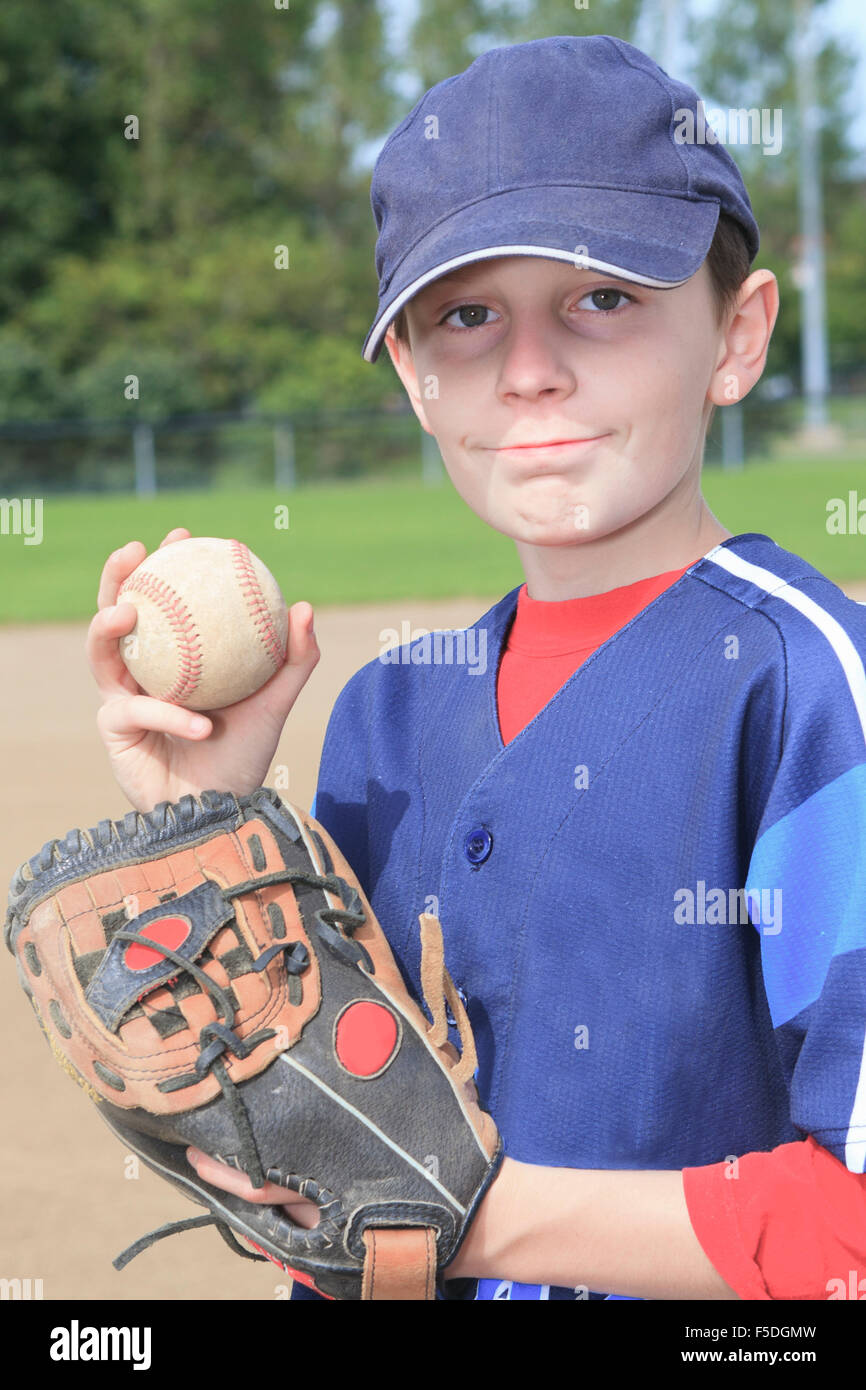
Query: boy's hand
[298, 1209]
[160, 751]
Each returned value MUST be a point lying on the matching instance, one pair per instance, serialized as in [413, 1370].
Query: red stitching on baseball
[184, 630]
[256, 602]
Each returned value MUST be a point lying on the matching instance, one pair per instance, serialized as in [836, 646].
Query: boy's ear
[404, 365]
[744, 342]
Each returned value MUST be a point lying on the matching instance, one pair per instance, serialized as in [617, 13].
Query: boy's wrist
[483, 1250]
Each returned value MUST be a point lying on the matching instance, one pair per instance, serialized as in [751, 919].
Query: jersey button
[464, 1000]
[477, 845]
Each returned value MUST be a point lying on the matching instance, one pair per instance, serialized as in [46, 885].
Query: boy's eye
[470, 316]
[601, 299]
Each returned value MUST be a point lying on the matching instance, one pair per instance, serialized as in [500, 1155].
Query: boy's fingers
[141, 713]
[302, 615]
[230, 1180]
[122, 562]
[280, 691]
[110, 624]
[302, 643]
[119, 564]
[102, 648]
[180, 533]
[221, 1175]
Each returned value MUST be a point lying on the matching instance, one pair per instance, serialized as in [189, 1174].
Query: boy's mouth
[549, 444]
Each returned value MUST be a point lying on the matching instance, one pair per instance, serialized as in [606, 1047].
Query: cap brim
[649, 239]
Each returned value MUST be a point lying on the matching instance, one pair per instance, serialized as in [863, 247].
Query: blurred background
[156, 154]
[157, 369]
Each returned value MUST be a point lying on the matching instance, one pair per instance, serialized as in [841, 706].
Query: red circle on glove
[169, 931]
[365, 1037]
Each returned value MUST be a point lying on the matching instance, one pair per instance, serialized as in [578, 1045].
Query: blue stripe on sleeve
[816, 856]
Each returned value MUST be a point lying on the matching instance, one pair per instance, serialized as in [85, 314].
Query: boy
[670, 717]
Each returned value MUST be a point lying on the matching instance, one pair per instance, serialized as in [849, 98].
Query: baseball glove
[212, 974]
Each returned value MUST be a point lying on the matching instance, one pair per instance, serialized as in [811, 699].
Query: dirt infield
[67, 1205]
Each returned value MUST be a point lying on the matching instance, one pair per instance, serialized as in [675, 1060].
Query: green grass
[787, 500]
[375, 541]
[353, 544]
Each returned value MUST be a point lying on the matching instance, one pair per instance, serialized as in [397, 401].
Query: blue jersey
[653, 899]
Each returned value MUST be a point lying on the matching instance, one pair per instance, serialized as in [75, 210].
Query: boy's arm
[621, 1231]
[784, 1225]
[791, 1224]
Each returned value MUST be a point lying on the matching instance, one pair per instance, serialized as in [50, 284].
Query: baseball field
[370, 558]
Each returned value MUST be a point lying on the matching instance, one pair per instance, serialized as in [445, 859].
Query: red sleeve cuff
[789, 1224]
[713, 1213]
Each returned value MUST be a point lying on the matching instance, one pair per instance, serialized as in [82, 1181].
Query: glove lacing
[218, 1037]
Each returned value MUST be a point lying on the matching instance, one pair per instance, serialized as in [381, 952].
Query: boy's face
[520, 352]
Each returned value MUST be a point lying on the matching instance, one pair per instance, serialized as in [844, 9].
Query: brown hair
[727, 262]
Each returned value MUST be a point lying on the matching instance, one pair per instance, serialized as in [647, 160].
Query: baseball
[212, 623]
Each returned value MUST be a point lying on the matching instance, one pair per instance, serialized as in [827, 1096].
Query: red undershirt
[789, 1224]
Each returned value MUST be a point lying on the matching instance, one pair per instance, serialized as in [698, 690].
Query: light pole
[810, 272]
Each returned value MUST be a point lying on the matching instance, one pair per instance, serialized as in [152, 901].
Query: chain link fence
[233, 450]
[211, 451]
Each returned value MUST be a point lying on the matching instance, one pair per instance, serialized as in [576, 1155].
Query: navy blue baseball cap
[572, 148]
